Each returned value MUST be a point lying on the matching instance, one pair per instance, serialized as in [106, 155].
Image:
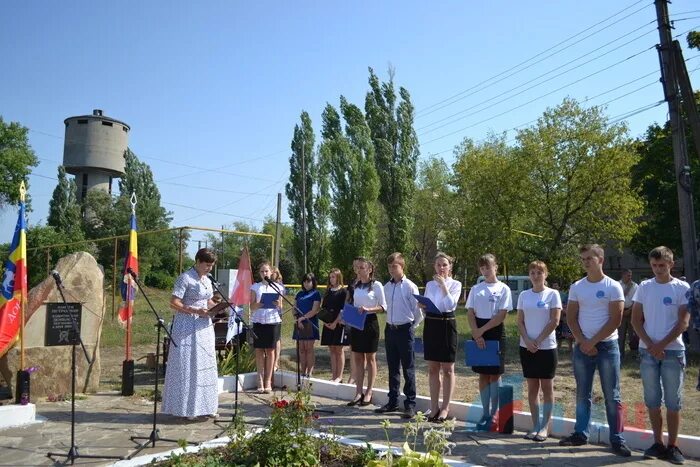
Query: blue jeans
[607, 361]
[663, 379]
[398, 341]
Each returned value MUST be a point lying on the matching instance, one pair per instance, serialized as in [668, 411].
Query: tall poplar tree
[354, 183]
[396, 155]
[64, 209]
[307, 193]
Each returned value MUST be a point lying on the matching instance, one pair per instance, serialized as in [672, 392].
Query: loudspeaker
[128, 378]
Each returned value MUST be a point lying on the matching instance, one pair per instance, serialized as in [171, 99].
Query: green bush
[160, 280]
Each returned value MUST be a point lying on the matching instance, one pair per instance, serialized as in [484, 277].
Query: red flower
[281, 404]
[315, 416]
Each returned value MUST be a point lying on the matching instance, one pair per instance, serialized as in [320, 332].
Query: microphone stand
[297, 313]
[73, 453]
[237, 319]
[155, 432]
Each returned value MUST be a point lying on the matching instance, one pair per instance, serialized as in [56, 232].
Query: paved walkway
[105, 421]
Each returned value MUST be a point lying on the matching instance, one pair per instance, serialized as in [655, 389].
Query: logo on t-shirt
[541, 304]
[667, 301]
[600, 294]
[493, 298]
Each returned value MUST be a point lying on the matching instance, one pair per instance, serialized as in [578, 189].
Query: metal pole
[114, 278]
[278, 232]
[680, 156]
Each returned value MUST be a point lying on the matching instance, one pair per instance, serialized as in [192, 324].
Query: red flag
[244, 280]
[14, 285]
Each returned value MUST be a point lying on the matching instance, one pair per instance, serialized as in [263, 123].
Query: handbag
[326, 315]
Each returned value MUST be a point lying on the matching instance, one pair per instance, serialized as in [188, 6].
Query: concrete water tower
[94, 151]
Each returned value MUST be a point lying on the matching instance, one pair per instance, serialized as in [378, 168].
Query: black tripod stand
[297, 313]
[73, 453]
[239, 321]
[155, 433]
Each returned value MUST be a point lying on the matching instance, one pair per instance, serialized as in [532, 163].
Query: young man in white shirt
[402, 317]
[594, 313]
[629, 287]
[659, 316]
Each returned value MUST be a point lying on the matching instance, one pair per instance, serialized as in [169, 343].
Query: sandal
[355, 402]
[530, 435]
[363, 402]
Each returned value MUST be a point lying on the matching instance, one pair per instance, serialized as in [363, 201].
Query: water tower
[94, 151]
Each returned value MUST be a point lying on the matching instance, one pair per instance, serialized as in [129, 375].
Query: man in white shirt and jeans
[594, 313]
[629, 287]
[402, 317]
[660, 315]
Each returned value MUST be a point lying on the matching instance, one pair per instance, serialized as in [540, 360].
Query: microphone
[132, 273]
[211, 278]
[57, 278]
[267, 279]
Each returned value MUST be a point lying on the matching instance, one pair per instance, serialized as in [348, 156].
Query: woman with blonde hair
[334, 335]
[440, 336]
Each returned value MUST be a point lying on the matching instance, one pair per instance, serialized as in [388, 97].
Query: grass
[467, 382]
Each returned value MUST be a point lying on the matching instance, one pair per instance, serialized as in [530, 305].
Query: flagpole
[130, 303]
[23, 255]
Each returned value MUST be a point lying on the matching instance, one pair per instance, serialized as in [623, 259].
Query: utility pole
[670, 81]
[278, 230]
[303, 204]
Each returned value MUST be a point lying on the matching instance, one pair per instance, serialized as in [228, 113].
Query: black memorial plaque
[59, 325]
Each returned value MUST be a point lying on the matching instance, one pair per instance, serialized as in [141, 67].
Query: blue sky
[220, 85]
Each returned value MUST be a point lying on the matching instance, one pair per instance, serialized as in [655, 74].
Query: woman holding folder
[369, 298]
[487, 306]
[440, 336]
[266, 326]
[539, 309]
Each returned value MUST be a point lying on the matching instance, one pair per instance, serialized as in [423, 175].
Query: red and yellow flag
[13, 295]
[128, 285]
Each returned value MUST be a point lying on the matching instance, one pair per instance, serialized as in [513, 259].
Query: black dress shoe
[363, 402]
[409, 413]
[354, 402]
[387, 408]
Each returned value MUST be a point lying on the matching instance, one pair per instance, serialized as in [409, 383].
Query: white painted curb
[17, 415]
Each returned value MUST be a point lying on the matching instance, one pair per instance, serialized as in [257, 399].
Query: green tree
[354, 183]
[578, 189]
[433, 222]
[308, 195]
[16, 159]
[64, 209]
[396, 155]
[486, 206]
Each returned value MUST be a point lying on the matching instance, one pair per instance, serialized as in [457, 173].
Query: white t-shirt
[536, 307]
[488, 299]
[660, 303]
[594, 304]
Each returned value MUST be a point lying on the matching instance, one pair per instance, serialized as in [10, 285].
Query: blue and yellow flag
[128, 285]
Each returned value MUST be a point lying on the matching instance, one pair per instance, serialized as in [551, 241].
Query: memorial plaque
[59, 324]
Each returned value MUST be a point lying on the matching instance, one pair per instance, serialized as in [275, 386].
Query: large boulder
[83, 282]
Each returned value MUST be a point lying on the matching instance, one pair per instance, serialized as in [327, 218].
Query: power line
[534, 99]
[431, 108]
[561, 73]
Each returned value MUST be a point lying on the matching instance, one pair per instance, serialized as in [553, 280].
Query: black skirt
[440, 338]
[366, 340]
[539, 365]
[266, 335]
[493, 334]
[337, 336]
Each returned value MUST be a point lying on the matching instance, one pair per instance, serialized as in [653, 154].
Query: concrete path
[105, 421]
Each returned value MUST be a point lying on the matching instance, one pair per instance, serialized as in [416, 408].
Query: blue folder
[418, 346]
[267, 300]
[353, 317]
[474, 356]
[430, 307]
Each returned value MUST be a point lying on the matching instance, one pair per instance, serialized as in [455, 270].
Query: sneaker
[621, 450]
[656, 451]
[409, 413]
[387, 408]
[575, 439]
[674, 455]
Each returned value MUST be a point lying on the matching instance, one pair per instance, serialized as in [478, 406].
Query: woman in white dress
[191, 379]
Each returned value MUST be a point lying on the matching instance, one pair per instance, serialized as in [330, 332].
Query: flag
[14, 284]
[240, 295]
[128, 285]
[244, 280]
